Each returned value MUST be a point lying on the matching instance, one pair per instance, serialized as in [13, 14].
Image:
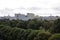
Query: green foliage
[56, 27]
[8, 33]
[30, 30]
[55, 37]
[34, 24]
[44, 35]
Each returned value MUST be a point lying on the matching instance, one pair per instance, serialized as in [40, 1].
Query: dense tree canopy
[29, 30]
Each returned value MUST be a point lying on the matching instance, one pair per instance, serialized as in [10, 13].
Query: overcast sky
[38, 7]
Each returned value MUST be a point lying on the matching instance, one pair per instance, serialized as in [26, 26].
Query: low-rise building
[29, 16]
[20, 17]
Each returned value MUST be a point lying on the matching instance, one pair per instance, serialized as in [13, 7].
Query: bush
[44, 36]
[55, 37]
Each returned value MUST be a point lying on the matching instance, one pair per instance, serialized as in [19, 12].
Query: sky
[38, 7]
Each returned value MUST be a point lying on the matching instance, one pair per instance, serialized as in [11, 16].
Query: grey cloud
[30, 8]
[6, 11]
[56, 8]
[34, 8]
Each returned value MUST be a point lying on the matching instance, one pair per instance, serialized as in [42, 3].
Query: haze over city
[38, 7]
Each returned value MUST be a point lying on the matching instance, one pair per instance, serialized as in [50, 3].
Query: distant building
[29, 16]
[24, 17]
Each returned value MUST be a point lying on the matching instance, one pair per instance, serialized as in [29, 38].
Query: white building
[24, 17]
[20, 17]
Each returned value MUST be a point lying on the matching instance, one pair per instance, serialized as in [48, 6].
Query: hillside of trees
[30, 30]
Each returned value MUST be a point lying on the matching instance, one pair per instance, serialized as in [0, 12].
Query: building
[28, 16]
[20, 17]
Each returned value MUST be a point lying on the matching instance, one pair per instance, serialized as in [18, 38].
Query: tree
[56, 27]
[55, 37]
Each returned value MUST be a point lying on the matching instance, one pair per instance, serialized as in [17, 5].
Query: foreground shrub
[9, 33]
[55, 37]
[44, 36]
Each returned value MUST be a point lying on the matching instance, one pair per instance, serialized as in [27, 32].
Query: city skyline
[38, 7]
